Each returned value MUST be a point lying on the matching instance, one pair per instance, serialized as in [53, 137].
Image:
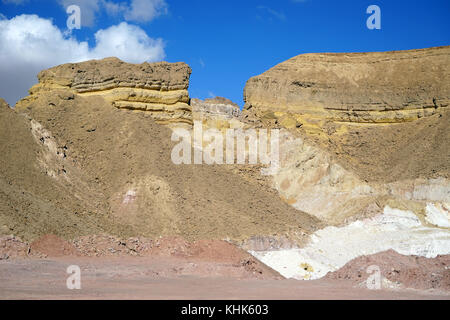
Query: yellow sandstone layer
[159, 89]
[378, 88]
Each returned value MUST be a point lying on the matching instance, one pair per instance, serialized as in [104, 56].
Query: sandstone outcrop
[160, 89]
[216, 112]
[3, 104]
[357, 88]
[365, 130]
[366, 150]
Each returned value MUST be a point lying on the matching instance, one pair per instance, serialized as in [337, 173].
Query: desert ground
[208, 270]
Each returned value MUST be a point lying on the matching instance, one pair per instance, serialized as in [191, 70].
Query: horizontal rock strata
[157, 88]
[353, 88]
[218, 112]
[367, 130]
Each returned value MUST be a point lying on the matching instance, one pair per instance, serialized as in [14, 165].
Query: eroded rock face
[366, 130]
[157, 88]
[216, 107]
[376, 88]
[3, 104]
[216, 112]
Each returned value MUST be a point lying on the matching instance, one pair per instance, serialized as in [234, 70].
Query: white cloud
[145, 10]
[129, 43]
[136, 10]
[29, 44]
[113, 8]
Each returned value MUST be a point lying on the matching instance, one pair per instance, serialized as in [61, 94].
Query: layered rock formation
[366, 150]
[216, 112]
[366, 127]
[160, 89]
[405, 166]
[361, 88]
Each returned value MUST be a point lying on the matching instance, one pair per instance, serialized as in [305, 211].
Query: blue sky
[225, 42]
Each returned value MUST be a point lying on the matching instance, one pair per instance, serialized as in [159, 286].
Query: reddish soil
[53, 246]
[404, 271]
[206, 257]
[172, 268]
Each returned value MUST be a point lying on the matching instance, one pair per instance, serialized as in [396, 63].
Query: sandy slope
[84, 167]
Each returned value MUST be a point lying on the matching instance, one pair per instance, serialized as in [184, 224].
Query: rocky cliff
[361, 88]
[160, 89]
[217, 112]
[366, 149]
[364, 129]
